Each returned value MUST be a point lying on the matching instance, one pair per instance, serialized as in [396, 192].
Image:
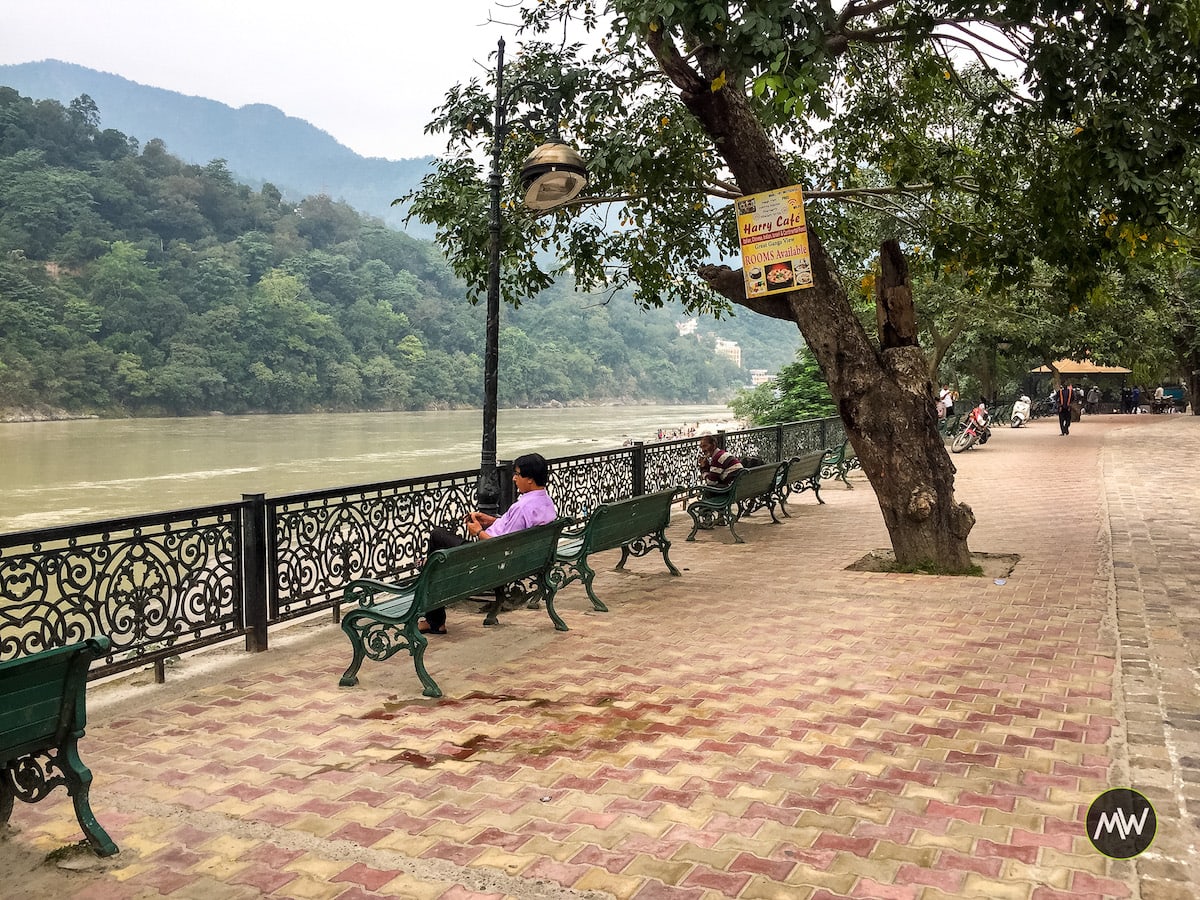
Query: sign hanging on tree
[774, 242]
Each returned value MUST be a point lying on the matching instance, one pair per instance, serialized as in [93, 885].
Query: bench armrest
[363, 590]
[577, 527]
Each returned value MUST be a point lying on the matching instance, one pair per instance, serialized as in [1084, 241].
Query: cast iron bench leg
[666, 545]
[79, 781]
[588, 573]
[6, 798]
[549, 590]
[416, 647]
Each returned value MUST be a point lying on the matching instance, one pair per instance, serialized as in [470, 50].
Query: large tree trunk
[883, 394]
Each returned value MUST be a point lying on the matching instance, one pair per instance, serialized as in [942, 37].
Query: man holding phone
[531, 473]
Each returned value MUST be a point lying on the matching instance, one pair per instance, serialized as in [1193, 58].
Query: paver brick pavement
[768, 725]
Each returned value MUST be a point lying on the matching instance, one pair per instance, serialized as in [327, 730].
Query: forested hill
[258, 142]
[134, 283]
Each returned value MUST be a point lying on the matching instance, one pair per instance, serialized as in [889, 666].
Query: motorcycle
[975, 430]
[1020, 412]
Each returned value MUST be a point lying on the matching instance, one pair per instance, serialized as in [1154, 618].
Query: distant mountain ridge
[258, 142]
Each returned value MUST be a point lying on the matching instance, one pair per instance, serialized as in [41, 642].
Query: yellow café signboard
[774, 242]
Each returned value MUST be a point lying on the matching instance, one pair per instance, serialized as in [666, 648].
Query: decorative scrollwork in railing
[153, 585]
[800, 438]
[757, 443]
[325, 540]
[582, 483]
[670, 464]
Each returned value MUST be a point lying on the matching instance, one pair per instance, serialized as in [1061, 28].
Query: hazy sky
[367, 71]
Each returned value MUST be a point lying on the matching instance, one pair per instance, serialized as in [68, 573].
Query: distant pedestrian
[1093, 400]
[1135, 397]
[947, 399]
[1066, 396]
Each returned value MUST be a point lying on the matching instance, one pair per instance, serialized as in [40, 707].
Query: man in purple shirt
[533, 507]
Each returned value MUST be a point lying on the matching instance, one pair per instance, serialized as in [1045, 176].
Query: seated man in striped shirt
[717, 467]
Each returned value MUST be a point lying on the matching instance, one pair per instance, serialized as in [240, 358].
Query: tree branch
[732, 286]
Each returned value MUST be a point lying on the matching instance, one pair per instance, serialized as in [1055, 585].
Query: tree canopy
[999, 135]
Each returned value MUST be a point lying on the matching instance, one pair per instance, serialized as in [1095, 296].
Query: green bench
[750, 489]
[43, 714]
[637, 525]
[797, 475]
[838, 463]
[380, 628]
[950, 426]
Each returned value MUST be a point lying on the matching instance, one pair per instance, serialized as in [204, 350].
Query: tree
[686, 106]
[798, 392]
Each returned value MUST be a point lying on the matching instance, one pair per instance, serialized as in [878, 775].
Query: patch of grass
[929, 568]
[68, 851]
[983, 565]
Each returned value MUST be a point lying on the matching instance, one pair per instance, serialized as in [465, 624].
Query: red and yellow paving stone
[770, 725]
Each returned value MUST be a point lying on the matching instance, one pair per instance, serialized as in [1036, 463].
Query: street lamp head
[552, 174]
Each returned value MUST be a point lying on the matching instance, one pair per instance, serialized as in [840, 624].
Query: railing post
[254, 570]
[779, 454]
[504, 468]
[825, 434]
[639, 468]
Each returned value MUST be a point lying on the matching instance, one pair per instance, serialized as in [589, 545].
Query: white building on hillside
[760, 376]
[730, 350]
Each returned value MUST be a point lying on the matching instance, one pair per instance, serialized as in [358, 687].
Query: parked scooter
[1020, 412]
[975, 430]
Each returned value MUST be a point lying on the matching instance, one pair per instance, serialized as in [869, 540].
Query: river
[64, 473]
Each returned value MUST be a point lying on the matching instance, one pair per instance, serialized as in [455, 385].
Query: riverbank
[40, 414]
[68, 472]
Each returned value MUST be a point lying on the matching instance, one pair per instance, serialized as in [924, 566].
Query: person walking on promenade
[946, 398]
[533, 507]
[1065, 397]
[1093, 401]
[717, 467]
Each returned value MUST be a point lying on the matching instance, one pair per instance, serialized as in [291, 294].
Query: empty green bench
[799, 474]
[637, 525]
[838, 463]
[379, 627]
[43, 715]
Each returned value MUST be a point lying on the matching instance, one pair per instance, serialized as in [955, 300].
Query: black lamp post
[551, 175]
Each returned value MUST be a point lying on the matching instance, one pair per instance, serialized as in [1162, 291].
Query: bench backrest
[42, 697]
[479, 566]
[753, 482]
[806, 466]
[614, 524]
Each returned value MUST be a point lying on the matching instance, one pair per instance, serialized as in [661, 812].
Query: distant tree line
[132, 283]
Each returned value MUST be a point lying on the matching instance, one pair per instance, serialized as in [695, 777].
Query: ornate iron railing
[320, 542]
[166, 584]
[155, 585]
